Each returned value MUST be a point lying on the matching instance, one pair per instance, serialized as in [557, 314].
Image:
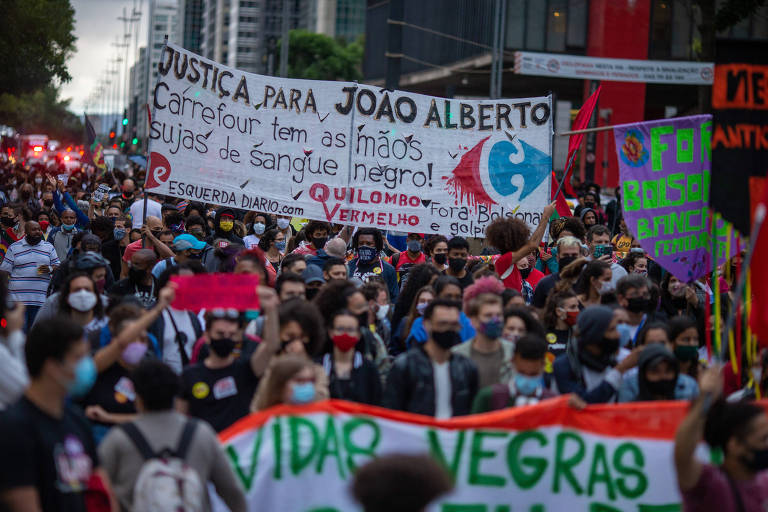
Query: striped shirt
[21, 262]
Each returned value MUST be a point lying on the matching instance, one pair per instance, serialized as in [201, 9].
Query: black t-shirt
[147, 295]
[113, 390]
[56, 456]
[221, 396]
[544, 286]
[463, 281]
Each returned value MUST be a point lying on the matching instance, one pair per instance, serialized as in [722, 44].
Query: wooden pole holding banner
[589, 130]
[149, 154]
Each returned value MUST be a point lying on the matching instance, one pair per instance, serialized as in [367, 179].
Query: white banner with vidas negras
[541, 458]
[344, 152]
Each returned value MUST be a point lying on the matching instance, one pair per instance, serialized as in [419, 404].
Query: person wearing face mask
[588, 368]
[273, 245]
[61, 236]
[368, 244]
[413, 255]
[633, 293]
[436, 248]
[29, 263]
[421, 300]
[223, 227]
[593, 282]
[658, 377]
[684, 334]
[491, 353]
[47, 447]
[259, 224]
[561, 312]
[737, 430]
[430, 379]
[220, 388]
[80, 219]
[600, 248]
[291, 379]
[458, 253]
[186, 248]
[678, 298]
[80, 301]
[350, 375]
[527, 385]
[568, 251]
[317, 235]
[376, 294]
[12, 231]
[140, 281]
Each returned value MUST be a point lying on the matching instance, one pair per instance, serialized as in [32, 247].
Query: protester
[436, 249]
[684, 336]
[317, 234]
[446, 287]
[518, 321]
[291, 379]
[568, 251]
[334, 268]
[593, 282]
[412, 256]
[430, 379]
[290, 286]
[368, 244]
[561, 312]
[140, 282]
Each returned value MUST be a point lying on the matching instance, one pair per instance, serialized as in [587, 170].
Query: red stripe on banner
[647, 420]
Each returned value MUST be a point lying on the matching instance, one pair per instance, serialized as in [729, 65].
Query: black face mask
[222, 347]
[638, 304]
[679, 302]
[363, 319]
[606, 358]
[525, 272]
[33, 240]
[446, 339]
[136, 274]
[319, 241]
[759, 460]
[664, 387]
[48, 203]
[310, 293]
[564, 261]
[457, 264]
[7, 222]
[440, 259]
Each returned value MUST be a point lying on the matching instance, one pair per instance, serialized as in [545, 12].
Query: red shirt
[534, 277]
[514, 279]
[405, 262]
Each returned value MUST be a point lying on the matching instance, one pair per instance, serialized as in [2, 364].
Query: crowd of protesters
[97, 368]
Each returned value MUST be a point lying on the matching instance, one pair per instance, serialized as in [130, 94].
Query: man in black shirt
[219, 389]
[47, 453]
[140, 281]
[458, 254]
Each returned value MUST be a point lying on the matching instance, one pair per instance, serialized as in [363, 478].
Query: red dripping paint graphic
[466, 181]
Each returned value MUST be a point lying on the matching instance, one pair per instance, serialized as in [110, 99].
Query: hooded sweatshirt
[227, 235]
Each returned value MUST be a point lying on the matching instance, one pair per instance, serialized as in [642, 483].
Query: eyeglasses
[229, 313]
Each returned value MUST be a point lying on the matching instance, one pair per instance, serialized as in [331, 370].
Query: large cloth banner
[345, 152]
[664, 170]
[545, 457]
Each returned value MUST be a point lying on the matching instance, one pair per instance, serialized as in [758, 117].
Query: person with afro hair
[511, 237]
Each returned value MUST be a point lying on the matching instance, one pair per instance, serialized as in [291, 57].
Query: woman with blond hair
[290, 379]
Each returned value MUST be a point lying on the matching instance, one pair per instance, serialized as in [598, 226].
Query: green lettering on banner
[564, 467]
[684, 136]
[477, 454]
[538, 465]
[299, 462]
[706, 141]
[671, 507]
[246, 479]
[602, 507]
[463, 507]
[630, 471]
[693, 187]
[651, 186]
[436, 450]
[631, 196]
[599, 472]
[330, 446]
[707, 181]
[658, 147]
[352, 449]
[643, 231]
[277, 440]
[672, 183]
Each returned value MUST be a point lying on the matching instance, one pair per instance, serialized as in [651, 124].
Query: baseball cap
[312, 274]
[187, 241]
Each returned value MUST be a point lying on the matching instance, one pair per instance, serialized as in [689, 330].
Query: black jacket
[411, 383]
[364, 384]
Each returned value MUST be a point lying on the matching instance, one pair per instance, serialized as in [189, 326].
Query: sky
[96, 26]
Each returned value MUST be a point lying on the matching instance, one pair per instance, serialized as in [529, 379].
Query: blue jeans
[30, 312]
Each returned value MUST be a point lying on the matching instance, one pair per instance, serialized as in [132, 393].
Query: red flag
[561, 205]
[581, 122]
[759, 274]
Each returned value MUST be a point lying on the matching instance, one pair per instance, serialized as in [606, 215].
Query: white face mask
[82, 300]
[605, 287]
[283, 223]
[258, 228]
[381, 314]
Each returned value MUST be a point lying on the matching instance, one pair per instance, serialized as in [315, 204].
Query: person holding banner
[658, 377]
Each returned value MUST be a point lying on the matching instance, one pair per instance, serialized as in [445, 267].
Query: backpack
[165, 481]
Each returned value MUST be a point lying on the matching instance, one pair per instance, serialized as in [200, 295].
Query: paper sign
[216, 291]
[64, 178]
[664, 169]
[545, 457]
[346, 153]
[98, 194]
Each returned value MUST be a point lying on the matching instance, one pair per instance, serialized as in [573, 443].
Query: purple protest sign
[664, 169]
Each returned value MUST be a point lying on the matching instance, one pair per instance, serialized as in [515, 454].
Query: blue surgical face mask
[67, 227]
[625, 334]
[414, 245]
[366, 254]
[492, 328]
[85, 376]
[527, 385]
[280, 246]
[303, 393]
[258, 228]
[119, 233]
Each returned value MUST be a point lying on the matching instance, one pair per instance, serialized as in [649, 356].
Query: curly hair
[309, 319]
[507, 234]
[575, 226]
[269, 236]
[316, 225]
[375, 233]
[333, 296]
[629, 262]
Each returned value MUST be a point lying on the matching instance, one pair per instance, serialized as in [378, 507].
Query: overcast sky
[96, 26]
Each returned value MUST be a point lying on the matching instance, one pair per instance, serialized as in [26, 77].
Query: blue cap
[312, 274]
[187, 241]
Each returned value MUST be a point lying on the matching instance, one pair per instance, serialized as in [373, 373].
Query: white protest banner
[345, 152]
[542, 458]
[620, 70]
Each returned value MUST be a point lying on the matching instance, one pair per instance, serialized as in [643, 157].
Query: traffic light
[112, 135]
[114, 146]
[125, 117]
[135, 141]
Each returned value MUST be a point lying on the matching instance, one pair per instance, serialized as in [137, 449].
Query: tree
[41, 111]
[36, 39]
[319, 57]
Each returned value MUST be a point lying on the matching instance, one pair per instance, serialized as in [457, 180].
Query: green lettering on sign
[706, 140]
[330, 446]
[564, 466]
[477, 454]
[651, 201]
[671, 507]
[658, 147]
[537, 465]
[599, 473]
[277, 439]
[693, 187]
[633, 482]
[631, 195]
[602, 507]
[436, 450]
[674, 182]
[299, 461]
[684, 138]
[246, 479]
[348, 430]
[463, 507]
